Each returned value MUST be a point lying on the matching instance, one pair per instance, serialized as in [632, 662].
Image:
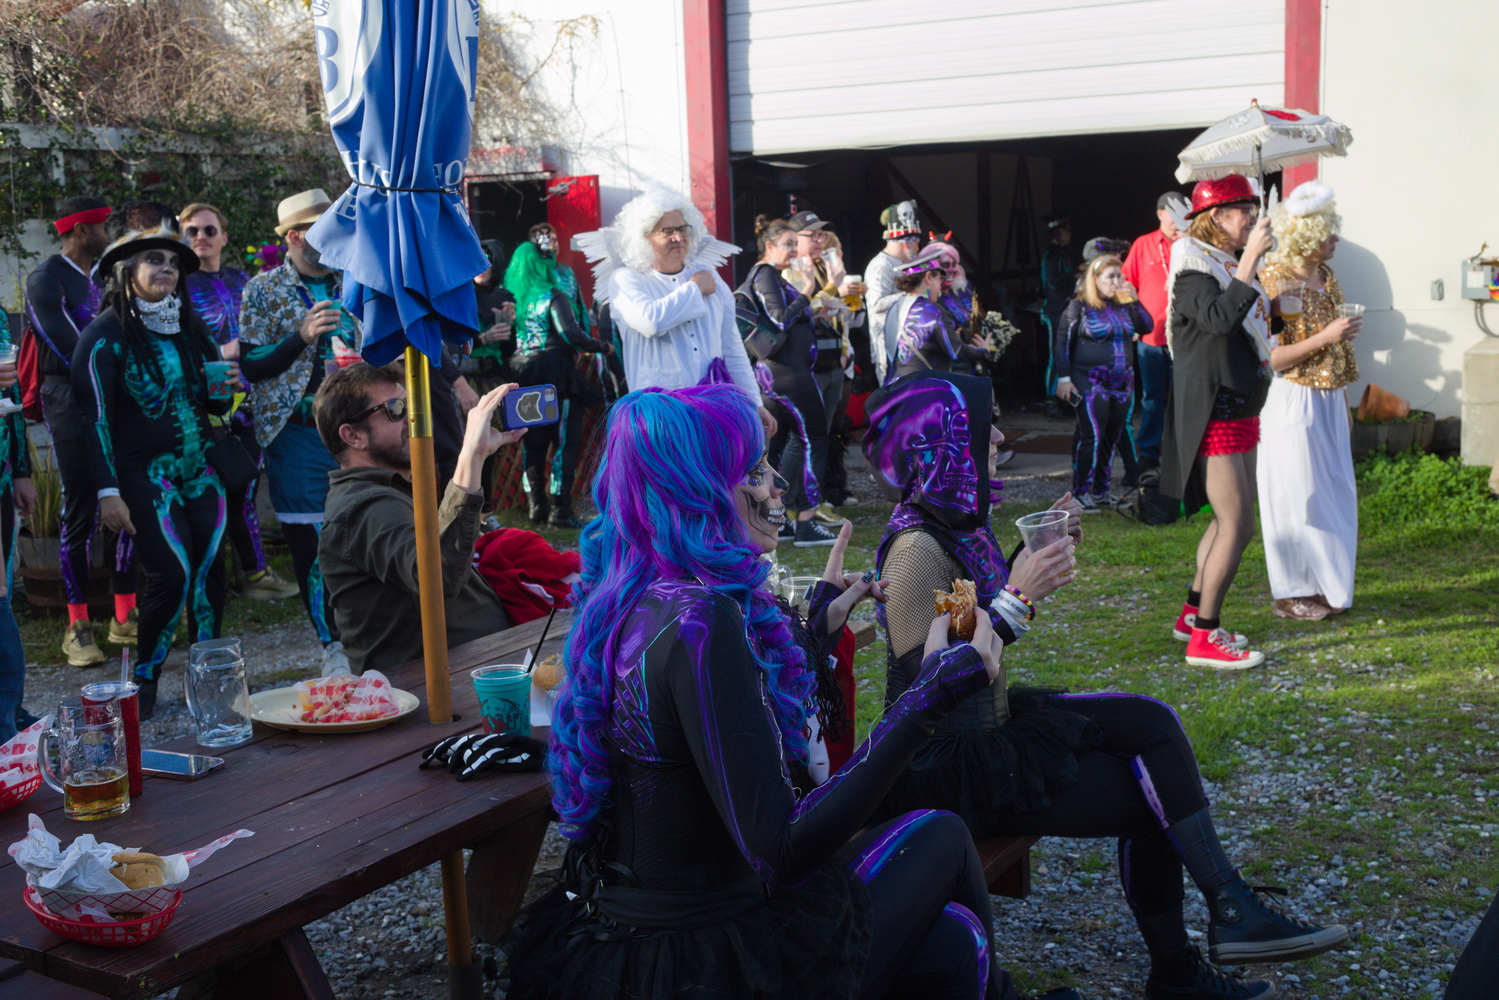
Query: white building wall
[828, 74]
[1416, 191]
[615, 76]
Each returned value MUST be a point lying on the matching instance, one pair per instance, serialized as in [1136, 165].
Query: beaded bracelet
[1023, 600]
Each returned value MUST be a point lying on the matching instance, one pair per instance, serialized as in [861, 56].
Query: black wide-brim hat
[141, 240]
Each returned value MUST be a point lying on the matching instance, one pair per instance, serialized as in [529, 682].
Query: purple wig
[665, 494]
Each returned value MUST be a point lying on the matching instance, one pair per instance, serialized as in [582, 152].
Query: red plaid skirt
[1229, 437]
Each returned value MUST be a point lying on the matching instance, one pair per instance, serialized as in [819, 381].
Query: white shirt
[671, 331]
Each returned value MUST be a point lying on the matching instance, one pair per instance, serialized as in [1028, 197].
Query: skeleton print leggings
[177, 536]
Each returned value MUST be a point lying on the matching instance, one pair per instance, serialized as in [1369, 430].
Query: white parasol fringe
[1195, 160]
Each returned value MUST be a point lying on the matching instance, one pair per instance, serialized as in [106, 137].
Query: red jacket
[1146, 267]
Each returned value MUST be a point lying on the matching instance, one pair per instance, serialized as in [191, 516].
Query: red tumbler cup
[130, 716]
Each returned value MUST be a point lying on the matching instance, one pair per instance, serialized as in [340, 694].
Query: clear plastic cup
[1350, 309]
[796, 588]
[1042, 529]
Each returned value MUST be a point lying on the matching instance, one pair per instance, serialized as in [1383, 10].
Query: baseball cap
[803, 221]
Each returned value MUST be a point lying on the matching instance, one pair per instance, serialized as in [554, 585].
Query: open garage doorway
[991, 196]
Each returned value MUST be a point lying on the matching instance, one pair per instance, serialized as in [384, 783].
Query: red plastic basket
[16, 794]
[116, 935]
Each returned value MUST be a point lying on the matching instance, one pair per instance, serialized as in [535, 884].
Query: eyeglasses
[395, 409]
[192, 232]
[157, 258]
[670, 231]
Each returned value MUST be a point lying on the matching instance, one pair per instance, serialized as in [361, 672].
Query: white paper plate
[280, 709]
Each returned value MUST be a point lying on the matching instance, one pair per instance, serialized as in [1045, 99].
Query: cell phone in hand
[529, 407]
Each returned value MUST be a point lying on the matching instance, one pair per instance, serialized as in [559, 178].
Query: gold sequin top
[1334, 366]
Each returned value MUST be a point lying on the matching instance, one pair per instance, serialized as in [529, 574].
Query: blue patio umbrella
[398, 80]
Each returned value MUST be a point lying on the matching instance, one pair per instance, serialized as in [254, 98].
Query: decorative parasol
[1258, 141]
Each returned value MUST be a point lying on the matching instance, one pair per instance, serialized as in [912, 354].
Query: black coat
[1209, 349]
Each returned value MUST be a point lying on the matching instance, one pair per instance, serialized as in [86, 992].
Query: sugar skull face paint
[758, 499]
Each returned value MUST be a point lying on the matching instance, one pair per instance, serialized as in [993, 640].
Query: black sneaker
[1188, 977]
[1246, 928]
[812, 532]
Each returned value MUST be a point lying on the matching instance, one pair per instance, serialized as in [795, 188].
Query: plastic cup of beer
[1042, 529]
[856, 299]
[93, 772]
[1292, 299]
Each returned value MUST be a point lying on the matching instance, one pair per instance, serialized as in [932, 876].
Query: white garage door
[829, 74]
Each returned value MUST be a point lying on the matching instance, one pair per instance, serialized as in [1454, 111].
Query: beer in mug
[95, 794]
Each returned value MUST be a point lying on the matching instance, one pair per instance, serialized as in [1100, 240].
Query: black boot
[1185, 976]
[536, 481]
[146, 698]
[562, 515]
[1244, 929]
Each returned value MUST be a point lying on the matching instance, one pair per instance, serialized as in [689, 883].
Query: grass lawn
[1390, 711]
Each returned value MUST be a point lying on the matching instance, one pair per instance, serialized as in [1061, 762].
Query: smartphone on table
[181, 766]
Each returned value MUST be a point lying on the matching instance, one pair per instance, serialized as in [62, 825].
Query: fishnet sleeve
[915, 566]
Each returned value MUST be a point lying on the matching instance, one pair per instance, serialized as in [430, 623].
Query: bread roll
[139, 870]
[963, 604]
[549, 672]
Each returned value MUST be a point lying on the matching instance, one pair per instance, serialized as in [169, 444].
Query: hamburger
[139, 870]
[962, 603]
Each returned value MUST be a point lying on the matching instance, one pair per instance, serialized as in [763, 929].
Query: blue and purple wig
[667, 511]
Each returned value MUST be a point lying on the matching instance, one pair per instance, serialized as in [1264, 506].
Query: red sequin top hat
[1230, 190]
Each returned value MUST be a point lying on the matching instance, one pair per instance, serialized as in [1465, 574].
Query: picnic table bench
[335, 818]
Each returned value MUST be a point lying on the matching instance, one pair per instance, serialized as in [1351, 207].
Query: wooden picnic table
[335, 818]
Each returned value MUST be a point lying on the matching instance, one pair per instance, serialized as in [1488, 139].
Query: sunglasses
[192, 232]
[395, 409]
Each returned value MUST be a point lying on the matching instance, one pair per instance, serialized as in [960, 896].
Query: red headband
[89, 215]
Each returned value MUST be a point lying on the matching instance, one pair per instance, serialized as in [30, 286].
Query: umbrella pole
[464, 974]
[428, 560]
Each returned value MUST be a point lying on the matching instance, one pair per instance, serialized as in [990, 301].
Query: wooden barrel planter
[39, 563]
[1394, 436]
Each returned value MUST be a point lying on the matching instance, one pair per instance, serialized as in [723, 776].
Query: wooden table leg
[499, 871]
[286, 968]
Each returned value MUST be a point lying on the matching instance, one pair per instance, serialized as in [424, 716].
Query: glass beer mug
[93, 771]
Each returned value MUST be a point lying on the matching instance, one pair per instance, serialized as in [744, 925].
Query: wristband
[1026, 601]
[1017, 622]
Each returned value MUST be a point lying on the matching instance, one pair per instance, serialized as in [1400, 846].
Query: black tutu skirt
[807, 943]
[986, 775]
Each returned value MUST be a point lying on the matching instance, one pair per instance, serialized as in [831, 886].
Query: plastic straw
[125, 665]
[544, 630]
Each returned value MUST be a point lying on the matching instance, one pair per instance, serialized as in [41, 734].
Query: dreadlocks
[196, 346]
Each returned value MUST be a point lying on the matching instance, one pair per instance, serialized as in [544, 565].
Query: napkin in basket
[18, 757]
[76, 883]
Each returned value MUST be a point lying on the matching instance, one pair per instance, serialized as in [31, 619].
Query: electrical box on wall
[1479, 280]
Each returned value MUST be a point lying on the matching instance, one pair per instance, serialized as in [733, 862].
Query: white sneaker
[335, 660]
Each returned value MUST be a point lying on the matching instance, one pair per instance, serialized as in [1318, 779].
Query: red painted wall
[1303, 71]
[708, 112]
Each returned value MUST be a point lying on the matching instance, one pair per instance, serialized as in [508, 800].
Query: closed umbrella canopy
[1258, 141]
[398, 80]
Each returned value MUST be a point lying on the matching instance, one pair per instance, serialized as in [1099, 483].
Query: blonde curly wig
[1299, 236]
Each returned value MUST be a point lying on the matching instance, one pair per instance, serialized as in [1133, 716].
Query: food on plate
[548, 673]
[139, 870]
[345, 698]
[963, 603]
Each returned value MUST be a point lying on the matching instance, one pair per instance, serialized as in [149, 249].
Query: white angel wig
[639, 217]
[1303, 222]
[624, 244]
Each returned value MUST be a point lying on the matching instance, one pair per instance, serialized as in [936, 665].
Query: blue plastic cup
[504, 698]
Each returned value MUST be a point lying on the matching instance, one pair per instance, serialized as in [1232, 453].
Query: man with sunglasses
[217, 292]
[368, 547]
[293, 333]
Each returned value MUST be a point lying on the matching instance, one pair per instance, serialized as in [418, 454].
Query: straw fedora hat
[140, 240]
[300, 209]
